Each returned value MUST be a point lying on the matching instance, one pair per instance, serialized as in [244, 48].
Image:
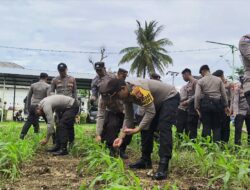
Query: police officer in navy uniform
[102, 76]
[63, 84]
[211, 103]
[225, 125]
[37, 92]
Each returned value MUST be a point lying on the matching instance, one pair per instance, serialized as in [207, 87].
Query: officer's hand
[184, 103]
[92, 100]
[199, 113]
[117, 143]
[98, 138]
[43, 142]
[227, 111]
[129, 131]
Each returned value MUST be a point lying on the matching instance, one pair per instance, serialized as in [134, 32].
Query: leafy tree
[150, 54]
[239, 71]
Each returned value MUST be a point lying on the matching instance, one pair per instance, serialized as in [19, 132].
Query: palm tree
[150, 54]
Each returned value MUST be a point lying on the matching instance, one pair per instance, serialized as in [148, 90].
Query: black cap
[204, 67]
[43, 75]
[121, 70]
[61, 66]
[218, 73]
[113, 86]
[155, 76]
[99, 65]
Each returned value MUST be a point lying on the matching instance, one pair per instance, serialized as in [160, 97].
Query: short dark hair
[43, 76]
[218, 73]
[114, 85]
[186, 71]
[204, 67]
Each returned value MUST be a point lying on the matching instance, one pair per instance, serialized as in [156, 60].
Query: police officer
[66, 85]
[210, 103]
[225, 126]
[244, 47]
[160, 102]
[182, 114]
[241, 113]
[37, 92]
[110, 118]
[68, 107]
[192, 116]
[101, 76]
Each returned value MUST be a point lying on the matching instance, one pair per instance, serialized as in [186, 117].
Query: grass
[216, 166]
[13, 152]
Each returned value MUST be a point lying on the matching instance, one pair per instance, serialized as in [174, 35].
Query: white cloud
[87, 25]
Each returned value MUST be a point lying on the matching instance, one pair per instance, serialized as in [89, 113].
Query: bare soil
[47, 172]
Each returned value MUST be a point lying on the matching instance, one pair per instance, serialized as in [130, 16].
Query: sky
[87, 25]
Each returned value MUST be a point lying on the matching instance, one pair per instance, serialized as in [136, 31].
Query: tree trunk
[144, 72]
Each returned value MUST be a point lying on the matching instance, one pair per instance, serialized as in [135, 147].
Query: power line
[96, 52]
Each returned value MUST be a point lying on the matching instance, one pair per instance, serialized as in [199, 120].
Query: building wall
[21, 93]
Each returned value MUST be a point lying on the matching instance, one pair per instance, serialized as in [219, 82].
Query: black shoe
[53, 149]
[160, 175]
[22, 136]
[141, 164]
[123, 155]
[162, 172]
[61, 152]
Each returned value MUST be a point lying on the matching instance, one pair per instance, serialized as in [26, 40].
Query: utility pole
[173, 74]
[233, 49]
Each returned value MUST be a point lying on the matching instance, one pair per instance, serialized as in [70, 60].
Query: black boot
[123, 155]
[54, 148]
[142, 164]
[162, 172]
[54, 138]
[61, 152]
[22, 136]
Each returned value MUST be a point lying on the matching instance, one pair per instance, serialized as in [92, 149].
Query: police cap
[155, 76]
[218, 73]
[113, 86]
[121, 70]
[61, 67]
[99, 65]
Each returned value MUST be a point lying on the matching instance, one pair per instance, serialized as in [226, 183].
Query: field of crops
[200, 165]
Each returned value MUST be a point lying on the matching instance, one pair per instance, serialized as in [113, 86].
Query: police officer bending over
[69, 108]
[160, 102]
[210, 103]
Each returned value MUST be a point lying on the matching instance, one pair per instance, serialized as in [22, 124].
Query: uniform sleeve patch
[143, 96]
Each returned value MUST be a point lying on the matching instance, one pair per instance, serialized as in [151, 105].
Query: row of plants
[225, 164]
[14, 152]
[104, 171]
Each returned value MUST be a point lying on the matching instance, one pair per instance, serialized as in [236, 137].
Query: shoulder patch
[143, 96]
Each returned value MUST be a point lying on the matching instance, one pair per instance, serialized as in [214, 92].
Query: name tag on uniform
[143, 96]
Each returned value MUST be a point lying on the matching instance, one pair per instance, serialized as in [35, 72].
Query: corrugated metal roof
[19, 71]
[10, 65]
[25, 77]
